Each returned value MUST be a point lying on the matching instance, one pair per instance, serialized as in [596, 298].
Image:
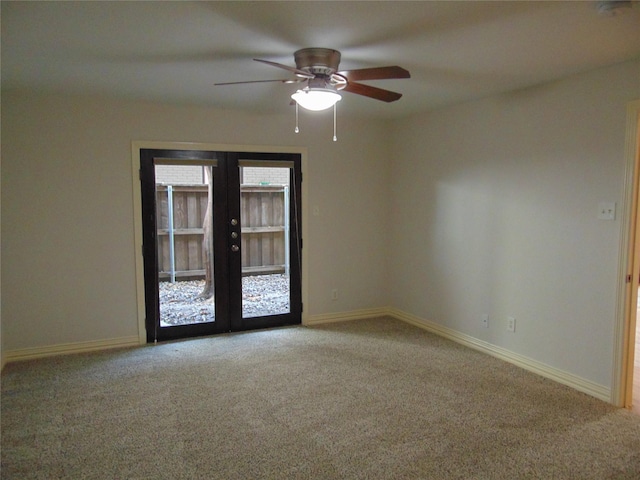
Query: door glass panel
[184, 220]
[265, 232]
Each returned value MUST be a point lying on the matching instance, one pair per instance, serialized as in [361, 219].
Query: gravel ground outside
[261, 295]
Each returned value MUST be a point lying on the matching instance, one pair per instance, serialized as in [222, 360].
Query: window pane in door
[184, 195]
[265, 218]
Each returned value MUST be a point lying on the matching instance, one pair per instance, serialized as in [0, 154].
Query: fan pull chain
[335, 106]
[297, 130]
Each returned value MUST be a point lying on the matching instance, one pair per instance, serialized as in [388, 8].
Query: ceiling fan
[318, 69]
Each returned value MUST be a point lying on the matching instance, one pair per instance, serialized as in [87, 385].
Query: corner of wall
[2, 350]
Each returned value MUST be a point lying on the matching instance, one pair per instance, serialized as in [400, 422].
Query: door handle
[235, 248]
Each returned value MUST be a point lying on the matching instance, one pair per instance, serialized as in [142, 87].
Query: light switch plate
[607, 211]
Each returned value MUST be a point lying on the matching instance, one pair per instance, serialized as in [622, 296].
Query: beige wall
[68, 228]
[487, 207]
[494, 212]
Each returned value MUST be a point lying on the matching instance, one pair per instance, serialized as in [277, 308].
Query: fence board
[194, 255]
[262, 232]
[267, 249]
[179, 210]
[193, 212]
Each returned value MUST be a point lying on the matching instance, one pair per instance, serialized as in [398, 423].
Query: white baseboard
[560, 376]
[68, 348]
[344, 316]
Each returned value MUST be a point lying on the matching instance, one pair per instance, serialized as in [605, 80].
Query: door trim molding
[137, 145]
[628, 264]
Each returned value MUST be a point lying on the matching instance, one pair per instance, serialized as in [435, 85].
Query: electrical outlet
[607, 210]
[334, 294]
[485, 320]
[511, 324]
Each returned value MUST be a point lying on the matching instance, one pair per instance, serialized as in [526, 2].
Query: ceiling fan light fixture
[316, 99]
[318, 68]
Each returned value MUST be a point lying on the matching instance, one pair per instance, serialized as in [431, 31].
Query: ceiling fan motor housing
[319, 61]
[318, 68]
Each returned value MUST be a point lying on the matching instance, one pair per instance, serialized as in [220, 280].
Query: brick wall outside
[193, 175]
[271, 176]
[179, 174]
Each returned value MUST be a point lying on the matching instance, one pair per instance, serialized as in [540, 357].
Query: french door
[221, 241]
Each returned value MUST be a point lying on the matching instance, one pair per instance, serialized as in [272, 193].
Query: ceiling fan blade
[300, 73]
[261, 81]
[372, 92]
[377, 73]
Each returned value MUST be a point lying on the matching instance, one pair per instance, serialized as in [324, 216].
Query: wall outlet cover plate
[607, 210]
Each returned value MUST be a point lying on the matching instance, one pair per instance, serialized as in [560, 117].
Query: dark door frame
[227, 265]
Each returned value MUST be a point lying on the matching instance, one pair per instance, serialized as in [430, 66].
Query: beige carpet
[372, 399]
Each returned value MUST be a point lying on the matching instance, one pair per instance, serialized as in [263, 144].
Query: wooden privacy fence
[263, 214]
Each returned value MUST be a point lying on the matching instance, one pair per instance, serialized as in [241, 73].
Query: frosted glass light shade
[316, 99]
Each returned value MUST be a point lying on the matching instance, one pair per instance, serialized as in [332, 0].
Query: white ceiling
[176, 51]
